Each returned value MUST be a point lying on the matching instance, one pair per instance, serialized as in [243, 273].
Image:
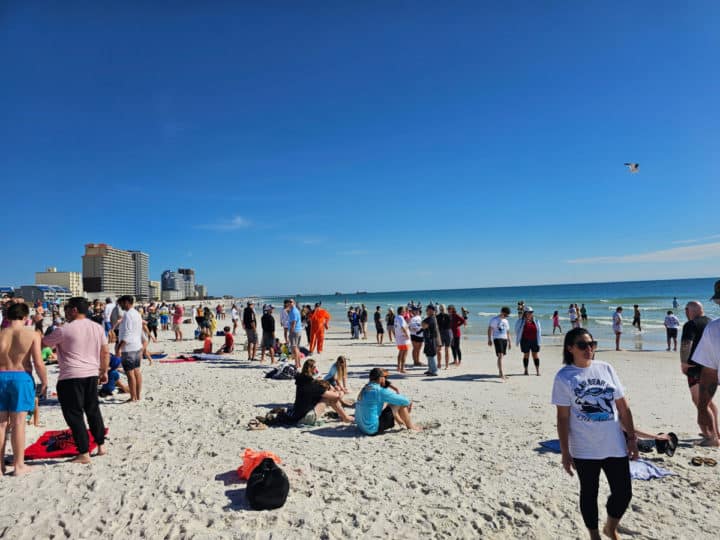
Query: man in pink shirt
[83, 359]
[177, 321]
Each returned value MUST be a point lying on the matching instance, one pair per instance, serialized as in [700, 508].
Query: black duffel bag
[268, 486]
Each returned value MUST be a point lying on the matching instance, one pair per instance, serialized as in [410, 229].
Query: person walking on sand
[692, 331]
[499, 335]
[83, 359]
[402, 338]
[671, 323]
[528, 337]
[617, 326]
[596, 430]
[20, 350]
[235, 317]
[267, 322]
[129, 345]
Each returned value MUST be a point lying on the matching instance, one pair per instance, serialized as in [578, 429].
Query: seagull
[633, 167]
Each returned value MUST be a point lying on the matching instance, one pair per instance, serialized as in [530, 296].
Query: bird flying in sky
[633, 167]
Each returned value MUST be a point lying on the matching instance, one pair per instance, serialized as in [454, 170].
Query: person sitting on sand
[113, 381]
[229, 345]
[337, 375]
[371, 413]
[207, 342]
[311, 397]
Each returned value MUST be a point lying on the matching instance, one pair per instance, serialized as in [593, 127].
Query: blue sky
[318, 146]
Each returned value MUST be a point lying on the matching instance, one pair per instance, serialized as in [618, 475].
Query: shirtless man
[18, 345]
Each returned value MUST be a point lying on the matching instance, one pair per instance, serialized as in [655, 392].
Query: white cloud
[233, 224]
[678, 254]
[696, 240]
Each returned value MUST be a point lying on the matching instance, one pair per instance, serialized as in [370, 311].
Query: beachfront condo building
[69, 280]
[115, 271]
[154, 290]
[181, 285]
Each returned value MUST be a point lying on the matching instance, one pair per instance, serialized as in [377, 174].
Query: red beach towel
[56, 444]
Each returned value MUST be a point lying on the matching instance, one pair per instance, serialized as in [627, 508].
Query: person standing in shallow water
[596, 430]
[636, 317]
[617, 326]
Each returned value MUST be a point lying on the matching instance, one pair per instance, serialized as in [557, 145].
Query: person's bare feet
[610, 533]
[415, 428]
[21, 470]
[82, 459]
[101, 450]
[712, 442]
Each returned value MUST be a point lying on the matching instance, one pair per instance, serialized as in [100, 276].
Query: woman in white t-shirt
[402, 338]
[593, 419]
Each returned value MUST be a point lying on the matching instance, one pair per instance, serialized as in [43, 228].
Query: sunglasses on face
[584, 345]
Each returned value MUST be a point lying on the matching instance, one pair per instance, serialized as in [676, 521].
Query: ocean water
[601, 299]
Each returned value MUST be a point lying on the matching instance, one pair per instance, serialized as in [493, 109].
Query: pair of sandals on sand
[699, 461]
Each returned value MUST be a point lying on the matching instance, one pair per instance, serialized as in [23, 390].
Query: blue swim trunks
[17, 392]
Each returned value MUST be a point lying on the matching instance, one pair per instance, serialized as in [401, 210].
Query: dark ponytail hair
[570, 339]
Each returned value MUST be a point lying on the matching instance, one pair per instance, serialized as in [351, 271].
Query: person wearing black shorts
[499, 336]
[692, 331]
[379, 330]
[527, 335]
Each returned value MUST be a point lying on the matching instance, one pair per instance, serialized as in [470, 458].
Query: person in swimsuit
[20, 350]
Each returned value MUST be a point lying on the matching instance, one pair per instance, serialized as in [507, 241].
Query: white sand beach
[171, 467]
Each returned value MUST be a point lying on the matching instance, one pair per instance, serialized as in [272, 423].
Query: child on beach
[207, 342]
[556, 322]
[337, 375]
[229, 345]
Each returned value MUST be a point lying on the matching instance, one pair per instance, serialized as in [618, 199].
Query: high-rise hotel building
[117, 271]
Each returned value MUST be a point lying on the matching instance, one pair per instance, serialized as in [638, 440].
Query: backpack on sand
[268, 486]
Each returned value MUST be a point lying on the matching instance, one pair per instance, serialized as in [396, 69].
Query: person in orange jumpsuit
[319, 322]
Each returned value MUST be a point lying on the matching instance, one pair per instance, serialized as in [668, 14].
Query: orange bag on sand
[251, 459]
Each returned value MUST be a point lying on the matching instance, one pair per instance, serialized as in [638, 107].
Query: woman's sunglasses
[584, 345]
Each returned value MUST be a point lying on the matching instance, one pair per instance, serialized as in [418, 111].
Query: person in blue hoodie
[527, 336]
[378, 406]
[108, 388]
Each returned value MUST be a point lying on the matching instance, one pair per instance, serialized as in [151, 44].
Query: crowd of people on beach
[594, 421]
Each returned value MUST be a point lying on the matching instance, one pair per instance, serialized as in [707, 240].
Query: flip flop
[697, 461]
[710, 462]
[429, 425]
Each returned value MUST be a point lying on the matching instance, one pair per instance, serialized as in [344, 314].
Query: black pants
[617, 472]
[455, 347]
[78, 396]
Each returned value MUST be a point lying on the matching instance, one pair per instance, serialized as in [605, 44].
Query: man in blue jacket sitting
[371, 413]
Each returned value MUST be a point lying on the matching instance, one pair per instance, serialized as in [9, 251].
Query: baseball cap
[528, 309]
[268, 307]
[716, 296]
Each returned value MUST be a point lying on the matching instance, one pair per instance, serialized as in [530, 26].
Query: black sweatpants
[617, 472]
[455, 347]
[78, 396]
